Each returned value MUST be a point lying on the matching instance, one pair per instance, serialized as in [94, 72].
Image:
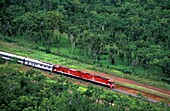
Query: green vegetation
[130, 36]
[125, 38]
[27, 90]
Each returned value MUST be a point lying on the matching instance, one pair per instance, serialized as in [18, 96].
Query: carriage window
[33, 63]
[111, 82]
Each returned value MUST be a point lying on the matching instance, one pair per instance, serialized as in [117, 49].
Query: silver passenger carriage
[38, 64]
[27, 61]
[8, 56]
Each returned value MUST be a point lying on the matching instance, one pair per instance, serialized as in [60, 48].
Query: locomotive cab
[111, 84]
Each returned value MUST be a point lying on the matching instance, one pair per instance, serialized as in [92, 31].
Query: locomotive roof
[102, 77]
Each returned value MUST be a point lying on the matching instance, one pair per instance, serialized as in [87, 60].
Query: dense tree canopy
[137, 31]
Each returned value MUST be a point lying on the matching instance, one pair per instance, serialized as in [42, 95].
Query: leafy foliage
[28, 89]
[130, 36]
[135, 31]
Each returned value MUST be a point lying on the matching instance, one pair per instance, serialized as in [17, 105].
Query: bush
[9, 39]
[2, 61]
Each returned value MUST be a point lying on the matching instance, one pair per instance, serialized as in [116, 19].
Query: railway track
[137, 93]
[134, 95]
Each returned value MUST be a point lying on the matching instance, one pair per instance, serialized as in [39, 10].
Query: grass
[19, 47]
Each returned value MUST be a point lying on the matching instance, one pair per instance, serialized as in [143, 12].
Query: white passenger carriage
[27, 61]
[8, 56]
[38, 64]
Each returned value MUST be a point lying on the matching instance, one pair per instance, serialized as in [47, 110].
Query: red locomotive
[83, 75]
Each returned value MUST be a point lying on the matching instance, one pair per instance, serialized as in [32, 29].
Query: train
[59, 69]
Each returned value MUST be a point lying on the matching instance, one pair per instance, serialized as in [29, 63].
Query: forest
[133, 33]
[27, 89]
[124, 38]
